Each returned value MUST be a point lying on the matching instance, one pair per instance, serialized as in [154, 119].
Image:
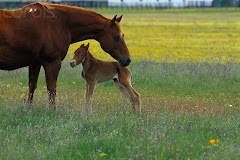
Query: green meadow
[186, 68]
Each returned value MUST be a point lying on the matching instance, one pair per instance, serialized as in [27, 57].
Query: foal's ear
[119, 19]
[112, 22]
[87, 46]
[82, 45]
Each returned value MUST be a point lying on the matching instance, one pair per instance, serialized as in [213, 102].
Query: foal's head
[79, 55]
[112, 41]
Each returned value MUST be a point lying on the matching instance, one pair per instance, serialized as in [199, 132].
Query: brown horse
[39, 34]
[95, 71]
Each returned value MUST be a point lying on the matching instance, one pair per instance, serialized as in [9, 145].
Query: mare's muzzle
[124, 61]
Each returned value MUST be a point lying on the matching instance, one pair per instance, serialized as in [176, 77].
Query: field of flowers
[186, 68]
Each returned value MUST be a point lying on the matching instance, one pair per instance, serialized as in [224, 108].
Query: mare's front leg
[34, 70]
[89, 93]
[51, 75]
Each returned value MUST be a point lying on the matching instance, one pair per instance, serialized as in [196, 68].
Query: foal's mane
[90, 54]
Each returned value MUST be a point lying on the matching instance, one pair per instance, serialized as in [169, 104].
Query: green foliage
[68, 134]
[188, 103]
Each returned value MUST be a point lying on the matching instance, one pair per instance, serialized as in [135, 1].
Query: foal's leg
[34, 70]
[129, 92]
[51, 74]
[89, 93]
[134, 97]
[124, 91]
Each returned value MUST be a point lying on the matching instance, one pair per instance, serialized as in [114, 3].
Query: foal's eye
[116, 38]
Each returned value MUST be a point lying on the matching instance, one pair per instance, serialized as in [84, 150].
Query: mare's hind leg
[34, 70]
[51, 75]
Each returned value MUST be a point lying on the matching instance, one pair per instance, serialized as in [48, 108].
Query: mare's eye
[116, 38]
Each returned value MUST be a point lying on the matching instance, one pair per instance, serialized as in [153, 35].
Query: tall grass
[117, 134]
[191, 83]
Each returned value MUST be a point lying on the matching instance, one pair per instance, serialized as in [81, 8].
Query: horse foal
[95, 71]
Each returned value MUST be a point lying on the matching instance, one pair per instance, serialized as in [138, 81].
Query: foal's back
[106, 71]
[110, 70]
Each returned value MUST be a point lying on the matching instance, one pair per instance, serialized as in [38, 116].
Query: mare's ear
[87, 46]
[119, 19]
[112, 22]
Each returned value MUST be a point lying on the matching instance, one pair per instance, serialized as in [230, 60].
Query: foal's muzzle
[73, 63]
[124, 61]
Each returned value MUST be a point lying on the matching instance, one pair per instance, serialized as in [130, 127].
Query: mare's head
[79, 55]
[112, 42]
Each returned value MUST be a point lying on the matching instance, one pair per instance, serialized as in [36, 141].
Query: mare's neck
[82, 23]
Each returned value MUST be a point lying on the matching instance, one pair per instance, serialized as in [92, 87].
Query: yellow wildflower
[179, 73]
[196, 106]
[154, 113]
[217, 140]
[100, 91]
[20, 83]
[212, 141]
[74, 82]
[103, 154]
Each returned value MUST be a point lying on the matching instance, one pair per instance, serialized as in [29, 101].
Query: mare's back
[27, 27]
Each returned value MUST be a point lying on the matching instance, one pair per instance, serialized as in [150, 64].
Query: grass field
[186, 68]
